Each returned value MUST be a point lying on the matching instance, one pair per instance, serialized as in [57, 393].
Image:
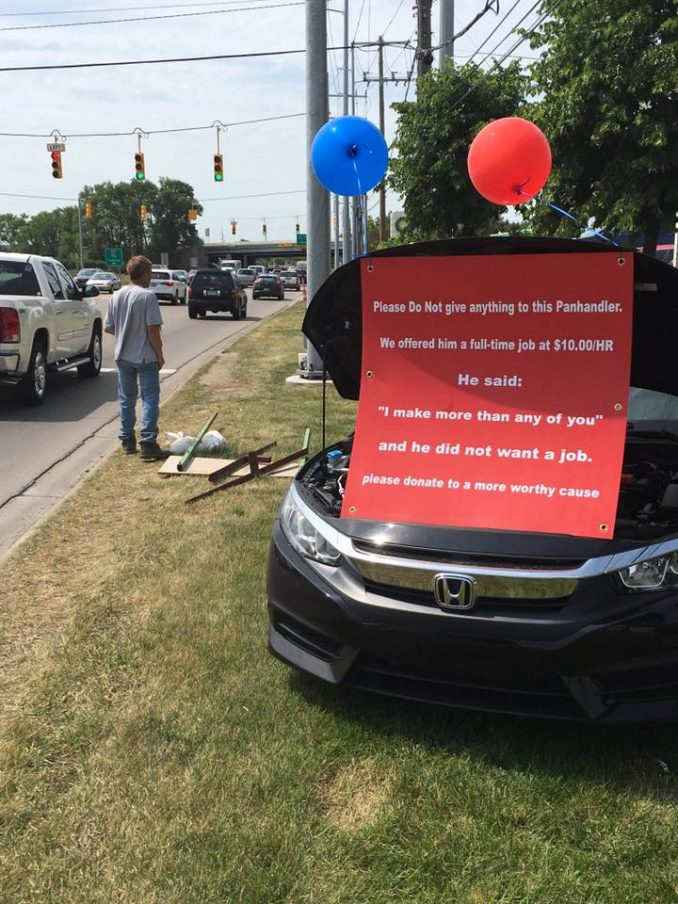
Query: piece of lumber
[193, 448]
[238, 480]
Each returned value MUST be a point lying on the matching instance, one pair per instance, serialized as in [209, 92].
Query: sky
[260, 102]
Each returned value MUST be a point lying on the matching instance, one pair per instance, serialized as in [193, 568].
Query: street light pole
[318, 199]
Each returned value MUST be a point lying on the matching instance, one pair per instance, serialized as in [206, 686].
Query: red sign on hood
[493, 396]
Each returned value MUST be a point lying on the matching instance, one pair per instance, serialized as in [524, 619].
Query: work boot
[129, 445]
[153, 452]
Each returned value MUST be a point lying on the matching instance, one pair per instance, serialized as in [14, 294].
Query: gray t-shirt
[130, 310]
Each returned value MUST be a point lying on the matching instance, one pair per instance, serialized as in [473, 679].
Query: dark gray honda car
[559, 626]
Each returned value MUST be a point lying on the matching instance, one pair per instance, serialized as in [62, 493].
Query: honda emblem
[454, 592]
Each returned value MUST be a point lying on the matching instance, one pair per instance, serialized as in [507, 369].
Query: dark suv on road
[540, 624]
[218, 291]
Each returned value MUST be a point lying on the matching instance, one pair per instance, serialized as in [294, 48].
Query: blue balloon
[349, 155]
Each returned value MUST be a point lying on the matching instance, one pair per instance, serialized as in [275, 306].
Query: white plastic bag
[178, 442]
[212, 441]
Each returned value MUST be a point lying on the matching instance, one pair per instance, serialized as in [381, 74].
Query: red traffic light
[57, 172]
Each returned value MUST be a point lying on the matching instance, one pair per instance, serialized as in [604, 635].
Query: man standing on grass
[134, 318]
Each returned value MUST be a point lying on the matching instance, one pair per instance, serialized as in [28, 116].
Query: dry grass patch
[357, 794]
[223, 380]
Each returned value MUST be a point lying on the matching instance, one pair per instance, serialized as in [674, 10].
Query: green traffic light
[140, 177]
[218, 177]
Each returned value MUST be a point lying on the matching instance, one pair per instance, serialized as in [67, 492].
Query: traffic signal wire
[147, 132]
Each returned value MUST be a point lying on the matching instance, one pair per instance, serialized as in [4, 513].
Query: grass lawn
[152, 751]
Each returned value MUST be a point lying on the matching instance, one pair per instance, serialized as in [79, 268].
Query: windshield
[216, 279]
[657, 408]
[160, 274]
[18, 278]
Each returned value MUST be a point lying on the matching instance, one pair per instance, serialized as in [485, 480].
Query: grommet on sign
[603, 528]
[370, 268]
[617, 406]
[369, 374]
[621, 261]
[352, 509]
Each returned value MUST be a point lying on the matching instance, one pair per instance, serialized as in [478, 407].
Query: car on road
[268, 286]
[47, 324]
[181, 275]
[543, 624]
[259, 269]
[104, 281]
[290, 279]
[83, 275]
[167, 288]
[246, 275]
[216, 291]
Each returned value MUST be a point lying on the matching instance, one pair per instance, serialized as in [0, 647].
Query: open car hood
[333, 321]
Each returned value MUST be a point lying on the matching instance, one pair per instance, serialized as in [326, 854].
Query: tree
[170, 228]
[54, 233]
[607, 84]
[117, 223]
[432, 141]
[10, 231]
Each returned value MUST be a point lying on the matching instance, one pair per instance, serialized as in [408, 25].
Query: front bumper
[600, 655]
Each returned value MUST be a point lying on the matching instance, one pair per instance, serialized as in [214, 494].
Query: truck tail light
[10, 328]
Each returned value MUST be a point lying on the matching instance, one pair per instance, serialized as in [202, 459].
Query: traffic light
[192, 214]
[218, 168]
[234, 226]
[264, 230]
[296, 228]
[88, 210]
[143, 211]
[139, 167]
[56, 165]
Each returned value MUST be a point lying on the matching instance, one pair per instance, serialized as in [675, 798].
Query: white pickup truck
[46, 323]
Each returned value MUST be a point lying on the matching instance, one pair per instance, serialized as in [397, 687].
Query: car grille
[461, 559]
[541, 698]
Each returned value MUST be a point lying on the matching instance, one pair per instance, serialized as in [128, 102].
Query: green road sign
[113, 258]
[301, 238]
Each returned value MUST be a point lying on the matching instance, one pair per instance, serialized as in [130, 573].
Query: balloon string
[363, 206]
[564, 213]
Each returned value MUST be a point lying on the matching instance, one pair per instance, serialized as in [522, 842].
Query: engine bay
[648, 492]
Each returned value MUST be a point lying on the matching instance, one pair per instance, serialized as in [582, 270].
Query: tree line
[116, 222]
[605, 93]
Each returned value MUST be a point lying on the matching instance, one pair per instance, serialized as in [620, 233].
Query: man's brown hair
[137, 266]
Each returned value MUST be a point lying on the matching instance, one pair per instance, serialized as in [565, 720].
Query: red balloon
[509, 161]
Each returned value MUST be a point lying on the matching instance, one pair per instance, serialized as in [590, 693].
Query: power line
[194, 59]
[269, 194]
[208, 12]
[228, 125]
[114, 9]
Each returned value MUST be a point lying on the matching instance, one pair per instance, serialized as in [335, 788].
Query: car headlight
[651, 574]
[305, 538]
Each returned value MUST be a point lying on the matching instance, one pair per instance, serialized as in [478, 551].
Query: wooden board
[203, 467]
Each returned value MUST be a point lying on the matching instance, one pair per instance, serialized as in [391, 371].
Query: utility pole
[318, 199]
[382, 127]
[424, 54]
[346, 206]
[446, 32]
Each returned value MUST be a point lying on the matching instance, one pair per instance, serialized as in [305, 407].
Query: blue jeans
[131, 379]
